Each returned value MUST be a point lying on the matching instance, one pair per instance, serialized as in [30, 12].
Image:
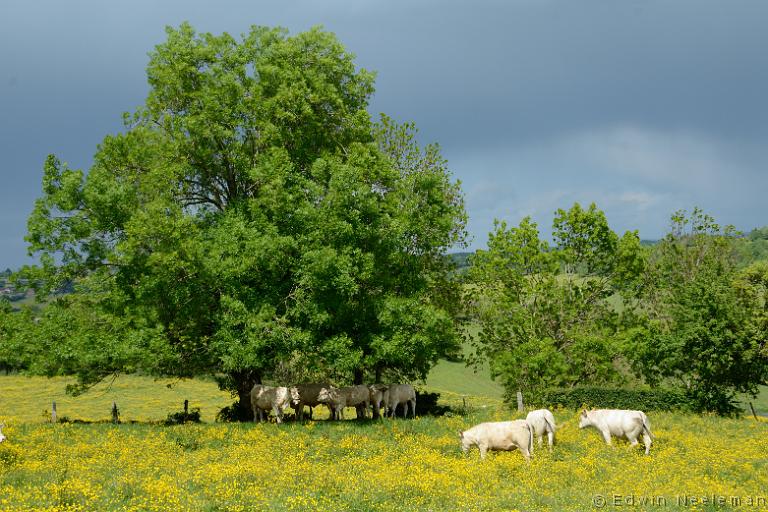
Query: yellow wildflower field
[378, 465]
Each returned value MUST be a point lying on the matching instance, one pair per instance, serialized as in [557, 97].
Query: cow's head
[2, 437]
[295, 397]
[327, 395]
[584, 420]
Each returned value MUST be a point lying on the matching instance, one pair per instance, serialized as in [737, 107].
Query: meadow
[352, 465]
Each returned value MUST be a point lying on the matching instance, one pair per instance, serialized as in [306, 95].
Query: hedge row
[613, 398]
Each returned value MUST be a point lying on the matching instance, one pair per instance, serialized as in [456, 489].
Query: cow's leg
[647, 443]
[278, 414]
[413, 408]
[541, 440]
[526, 453]
[483, 450]
[607, 437]
[551, 439]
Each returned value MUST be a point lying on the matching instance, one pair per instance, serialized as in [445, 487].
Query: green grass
[459, 379]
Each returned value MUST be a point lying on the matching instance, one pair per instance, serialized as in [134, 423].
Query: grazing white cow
[264, 398]
[619, 423]
[500, 435]
[2, 437]
[542, 421]
[378, 396]
[401, 394]
[306, 394]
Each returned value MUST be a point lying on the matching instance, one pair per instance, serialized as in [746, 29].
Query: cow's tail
[647, 427]
[530, 438]
[549, 425]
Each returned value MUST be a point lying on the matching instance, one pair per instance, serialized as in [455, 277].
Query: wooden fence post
[53, 412]
[753, 410]
[520, 401]
[186, 408]
[115, 413]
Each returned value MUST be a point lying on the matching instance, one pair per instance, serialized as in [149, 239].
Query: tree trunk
[359, 376]
[378, 374]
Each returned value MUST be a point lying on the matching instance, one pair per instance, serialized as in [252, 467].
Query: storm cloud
[643, 107]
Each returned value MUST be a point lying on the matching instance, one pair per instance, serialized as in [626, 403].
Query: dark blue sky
[644, 107]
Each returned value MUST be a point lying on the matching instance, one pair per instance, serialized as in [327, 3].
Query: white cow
[542, 421]
[306, 394]
[378, 396]
[264, 398]
[619, 423]
[2, 437]
[401, 394]
[500, 435]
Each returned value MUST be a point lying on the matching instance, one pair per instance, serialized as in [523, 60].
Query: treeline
[595, 308]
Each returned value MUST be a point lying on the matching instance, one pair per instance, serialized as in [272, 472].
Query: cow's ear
[461, 434]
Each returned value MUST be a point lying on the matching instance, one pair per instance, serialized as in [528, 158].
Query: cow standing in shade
[619, 423]
[542, 421]
[500, 435]
[264, 398]
[401, 394]
[378, 396]
[306, 394]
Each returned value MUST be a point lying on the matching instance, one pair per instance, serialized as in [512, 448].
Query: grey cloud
[536, 103]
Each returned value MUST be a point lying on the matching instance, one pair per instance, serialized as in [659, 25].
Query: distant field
[457, 378]
[28, 399]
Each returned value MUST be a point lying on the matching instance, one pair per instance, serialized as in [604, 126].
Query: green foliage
[656, 399]
[250, 215]
[553, 316]
[707, 329]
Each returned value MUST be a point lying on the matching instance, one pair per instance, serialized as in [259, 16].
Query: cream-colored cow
[500, 435]
[401, 394]
[619, 423]
[264, 398]
[543, 422]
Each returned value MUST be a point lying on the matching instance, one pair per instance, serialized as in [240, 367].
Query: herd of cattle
[500, 435]
[378, 397]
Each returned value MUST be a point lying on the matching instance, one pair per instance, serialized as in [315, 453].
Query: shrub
[233, 413]
[181, 417]
[658, 399]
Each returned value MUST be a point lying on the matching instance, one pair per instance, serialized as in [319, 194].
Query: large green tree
[707, 326]
[555, 315]
[251, 218]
